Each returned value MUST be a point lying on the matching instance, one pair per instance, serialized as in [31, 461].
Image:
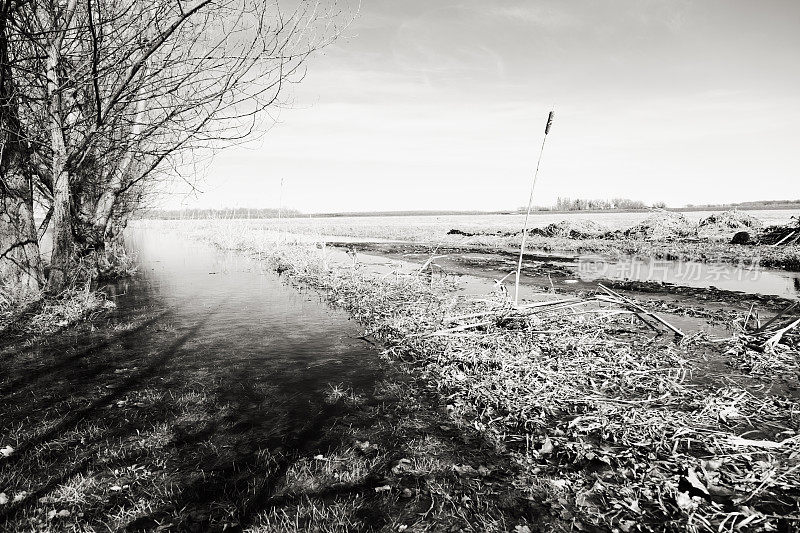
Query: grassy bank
[611, 428]
[37, 314]
[146, 445]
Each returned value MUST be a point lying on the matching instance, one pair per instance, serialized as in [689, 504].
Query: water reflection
[212, 375]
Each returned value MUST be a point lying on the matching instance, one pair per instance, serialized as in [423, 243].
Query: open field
[433, 228]
[502, 232]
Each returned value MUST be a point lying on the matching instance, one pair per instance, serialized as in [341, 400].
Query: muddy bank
[562, 273]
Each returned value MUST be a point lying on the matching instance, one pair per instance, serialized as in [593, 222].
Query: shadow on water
[205, 385]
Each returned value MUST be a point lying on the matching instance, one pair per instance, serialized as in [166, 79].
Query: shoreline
[545, 437]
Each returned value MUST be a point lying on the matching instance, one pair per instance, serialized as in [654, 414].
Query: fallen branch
[630, 303]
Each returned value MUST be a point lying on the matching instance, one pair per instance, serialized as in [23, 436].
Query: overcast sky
[441, 105]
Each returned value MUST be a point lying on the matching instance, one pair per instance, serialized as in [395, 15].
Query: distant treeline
[562, 204]
[758, 204]
[239, 212]
[228, 212]
[580, 204]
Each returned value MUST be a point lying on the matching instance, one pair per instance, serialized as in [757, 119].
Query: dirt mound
[575, 229]
[723, 226]
[663, 225]
[732, 219]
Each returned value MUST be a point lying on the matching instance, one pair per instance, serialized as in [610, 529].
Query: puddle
[562, 269]
[749, 280]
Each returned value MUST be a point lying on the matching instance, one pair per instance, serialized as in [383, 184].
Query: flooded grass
[607, 423]
[248, 405]
[233, 405]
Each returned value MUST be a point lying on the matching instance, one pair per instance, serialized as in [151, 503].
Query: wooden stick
[776, 317]
[791, 234]
[750, 312]
[641, 309]
[775, 339]
[461, 328]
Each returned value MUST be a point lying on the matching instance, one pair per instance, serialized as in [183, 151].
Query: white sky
[440, 104]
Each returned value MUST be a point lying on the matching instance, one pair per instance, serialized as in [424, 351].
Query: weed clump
[723, 226]
[663, 225]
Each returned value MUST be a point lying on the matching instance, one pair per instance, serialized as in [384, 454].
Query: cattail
[530, 202]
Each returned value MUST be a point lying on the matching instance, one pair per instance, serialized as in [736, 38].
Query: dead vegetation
[35, 314]
[770, 349]
[663, 226]
[723, 226]
[601, 412]
[783, 235]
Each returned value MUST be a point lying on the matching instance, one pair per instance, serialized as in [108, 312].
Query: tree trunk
[104, 210]
[63, 241]
[20, 264]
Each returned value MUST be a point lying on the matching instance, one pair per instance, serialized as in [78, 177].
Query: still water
[211, 376]
[246, 323]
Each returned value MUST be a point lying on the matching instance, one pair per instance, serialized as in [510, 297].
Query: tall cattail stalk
[530, 202]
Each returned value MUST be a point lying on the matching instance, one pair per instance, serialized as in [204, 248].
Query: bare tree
[131, 90]
[20, 264]
[204, 87]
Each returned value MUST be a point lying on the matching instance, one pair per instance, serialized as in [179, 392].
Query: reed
[530, 204]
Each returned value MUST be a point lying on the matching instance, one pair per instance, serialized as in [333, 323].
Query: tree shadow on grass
[145, 428]
[96, 386]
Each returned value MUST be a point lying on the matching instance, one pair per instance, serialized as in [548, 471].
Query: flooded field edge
[772, 289]
[218, 397]
[346, 286]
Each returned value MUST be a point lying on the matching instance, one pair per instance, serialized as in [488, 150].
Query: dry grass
[612, 431]
[35, 314]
